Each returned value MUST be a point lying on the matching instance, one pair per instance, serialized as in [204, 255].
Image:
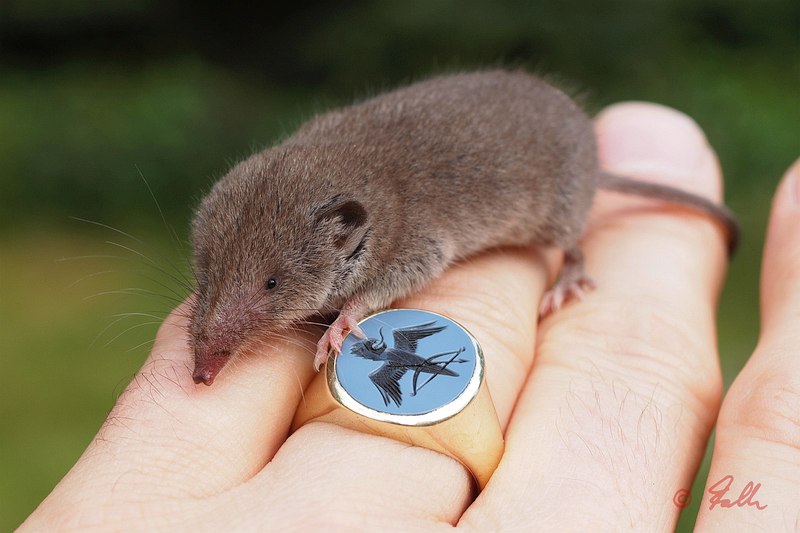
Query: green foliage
[78, 136]
[80, 111]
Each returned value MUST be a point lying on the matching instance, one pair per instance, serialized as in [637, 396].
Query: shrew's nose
[206, 369]
[205, 376]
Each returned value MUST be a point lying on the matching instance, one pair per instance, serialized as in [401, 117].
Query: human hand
[602, 426]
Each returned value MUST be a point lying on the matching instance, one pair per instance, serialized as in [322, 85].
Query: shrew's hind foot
[572, 284]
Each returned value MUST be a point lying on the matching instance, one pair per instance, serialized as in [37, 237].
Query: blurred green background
[95, 95]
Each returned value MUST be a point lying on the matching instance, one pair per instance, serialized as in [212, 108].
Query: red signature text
[746, 497]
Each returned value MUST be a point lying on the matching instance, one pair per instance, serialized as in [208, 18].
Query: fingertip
[636, 246]
[780, 275]
[660, 144]
[787, 195]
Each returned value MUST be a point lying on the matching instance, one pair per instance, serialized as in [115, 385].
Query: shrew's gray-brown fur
[368, 203]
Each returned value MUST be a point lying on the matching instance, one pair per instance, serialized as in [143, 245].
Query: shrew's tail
[666, 193]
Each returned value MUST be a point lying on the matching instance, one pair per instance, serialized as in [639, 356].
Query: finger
[167, 437]
[780, 281]
[494, 296]
[625, 385]
[758, 432]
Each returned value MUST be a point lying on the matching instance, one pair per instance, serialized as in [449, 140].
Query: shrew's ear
[350, 222]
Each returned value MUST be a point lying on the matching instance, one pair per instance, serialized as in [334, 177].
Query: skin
[607, 406]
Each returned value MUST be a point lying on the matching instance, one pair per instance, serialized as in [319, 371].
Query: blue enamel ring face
[412, 362]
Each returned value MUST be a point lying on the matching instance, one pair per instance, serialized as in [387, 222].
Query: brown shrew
[366, 204]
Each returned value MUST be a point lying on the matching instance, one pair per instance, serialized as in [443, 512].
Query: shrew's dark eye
[271, 283]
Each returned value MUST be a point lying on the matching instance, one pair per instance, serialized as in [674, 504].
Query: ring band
[417, 377]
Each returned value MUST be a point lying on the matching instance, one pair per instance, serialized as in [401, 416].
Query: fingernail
[639, 135]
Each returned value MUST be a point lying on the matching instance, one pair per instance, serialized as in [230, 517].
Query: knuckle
[765, 406]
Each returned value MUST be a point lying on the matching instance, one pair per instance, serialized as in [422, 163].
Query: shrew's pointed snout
[206, 367]
[218, 332]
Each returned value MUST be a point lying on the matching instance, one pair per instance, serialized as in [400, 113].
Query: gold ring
[417, 377]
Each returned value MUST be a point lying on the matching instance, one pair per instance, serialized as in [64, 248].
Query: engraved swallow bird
[402, 357]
